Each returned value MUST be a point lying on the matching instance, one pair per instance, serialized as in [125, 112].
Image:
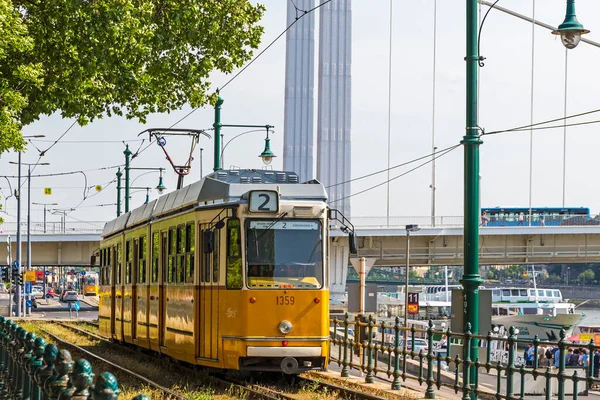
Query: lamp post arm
[237, 136]
[139, 176]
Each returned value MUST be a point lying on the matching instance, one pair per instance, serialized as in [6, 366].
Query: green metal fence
[377, 349]
[32, 369]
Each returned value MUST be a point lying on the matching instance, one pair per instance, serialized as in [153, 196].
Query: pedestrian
[542, 219]
[521, 219]
[484, 219]
[597, 364]
[557, 356]
[443, 342]
[584, 359]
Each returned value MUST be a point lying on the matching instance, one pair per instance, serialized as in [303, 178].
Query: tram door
[162, 305]
[113, 276]
[133, 280]
[207, 343]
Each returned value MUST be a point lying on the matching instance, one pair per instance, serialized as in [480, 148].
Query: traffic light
[5, 274]
[17, 278]
[15, 273]
[20, 278]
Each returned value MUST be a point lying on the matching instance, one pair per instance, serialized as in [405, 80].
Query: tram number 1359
[285, 300]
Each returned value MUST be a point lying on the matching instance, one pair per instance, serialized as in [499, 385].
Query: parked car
[70, 295]
[420, 344]
[37, 293]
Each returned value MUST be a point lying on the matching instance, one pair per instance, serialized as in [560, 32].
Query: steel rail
[254, 391]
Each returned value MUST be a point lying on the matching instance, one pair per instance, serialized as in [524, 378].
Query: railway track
[225, 382]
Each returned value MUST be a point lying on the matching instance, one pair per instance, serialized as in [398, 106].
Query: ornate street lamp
[570, 30]
[267, 155]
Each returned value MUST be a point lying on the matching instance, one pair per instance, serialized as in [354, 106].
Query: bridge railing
[54, 228]
[443, 358]
[458, 221]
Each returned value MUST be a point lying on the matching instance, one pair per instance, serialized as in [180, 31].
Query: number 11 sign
[413, 303]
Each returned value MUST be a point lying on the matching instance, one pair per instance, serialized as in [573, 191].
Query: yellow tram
[229, 272]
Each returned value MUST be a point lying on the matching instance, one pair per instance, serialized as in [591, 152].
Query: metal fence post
[46, 371]
[430, 393]
[466, 362]
[21, 335]
[575, 381]
[370, 377]
[345, 364]
[57, 383]
[81, 379]
[105, 387]
[26, 359]
[511, 362]
[396, 374]
[39, 346]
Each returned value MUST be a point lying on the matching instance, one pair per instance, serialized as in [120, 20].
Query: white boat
[534, 312]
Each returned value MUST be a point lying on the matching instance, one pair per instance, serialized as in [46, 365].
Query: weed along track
[170, 380]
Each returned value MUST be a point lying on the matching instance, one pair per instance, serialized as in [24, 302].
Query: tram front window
[90, 280]
[284, 254]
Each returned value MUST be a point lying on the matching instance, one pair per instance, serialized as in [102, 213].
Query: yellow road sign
[29, 276]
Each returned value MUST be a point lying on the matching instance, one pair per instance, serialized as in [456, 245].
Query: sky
[516, 67]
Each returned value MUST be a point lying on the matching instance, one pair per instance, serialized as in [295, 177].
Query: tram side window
[233, 278]
[205, 259]
[142, 260]
[171, 270]
[109, 266]
[119, 263]
[215, 256]
[128, 261]
[190, 238]
[180, 254]
[155, 255]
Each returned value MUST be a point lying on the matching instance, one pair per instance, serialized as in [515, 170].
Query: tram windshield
[90, 280]
[284, 254]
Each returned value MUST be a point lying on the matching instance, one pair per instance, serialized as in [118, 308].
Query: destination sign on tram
[287, 224]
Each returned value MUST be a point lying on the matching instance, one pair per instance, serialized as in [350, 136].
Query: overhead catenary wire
[298, 18]
[393, 167]
[43, 153]
[549, 121]
[398, 176]
[543, 127]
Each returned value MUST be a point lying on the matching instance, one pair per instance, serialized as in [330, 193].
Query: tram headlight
[285, 327]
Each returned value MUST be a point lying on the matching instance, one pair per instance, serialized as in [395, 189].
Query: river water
[592, 317]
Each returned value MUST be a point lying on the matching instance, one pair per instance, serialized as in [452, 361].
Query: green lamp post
[570, 31]
[267, 155]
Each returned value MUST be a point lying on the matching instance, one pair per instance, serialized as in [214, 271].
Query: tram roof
[220, 187]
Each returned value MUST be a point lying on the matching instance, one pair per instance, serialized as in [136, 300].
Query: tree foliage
[586, 276]
[89, 58]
